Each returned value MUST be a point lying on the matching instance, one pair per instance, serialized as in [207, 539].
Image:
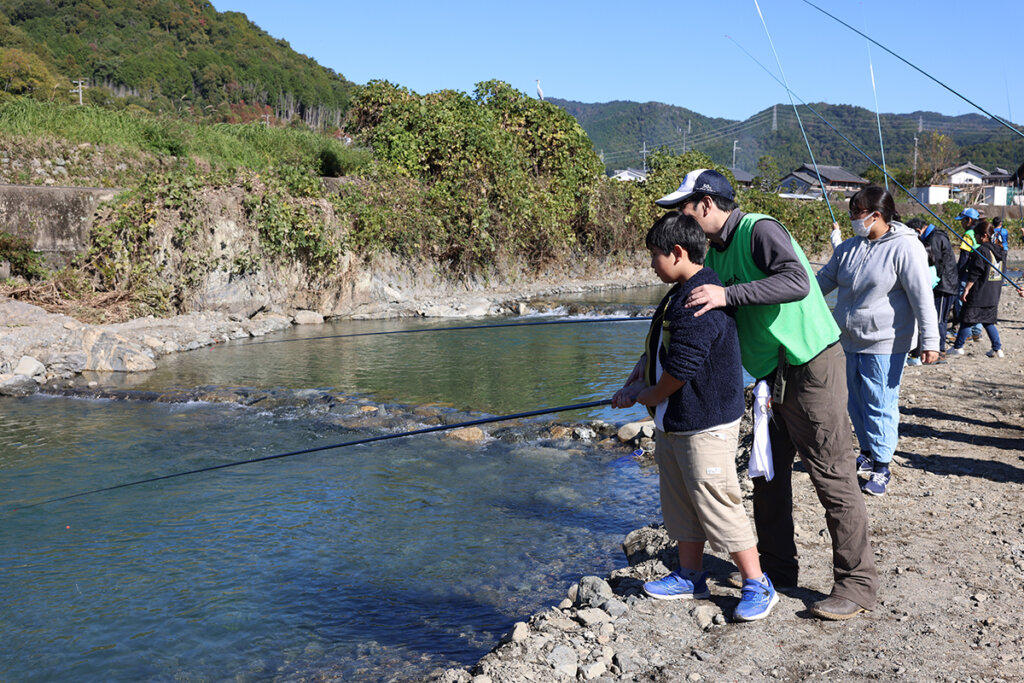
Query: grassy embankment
[480, 184]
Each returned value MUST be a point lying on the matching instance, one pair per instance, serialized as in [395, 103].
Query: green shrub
[24, 260]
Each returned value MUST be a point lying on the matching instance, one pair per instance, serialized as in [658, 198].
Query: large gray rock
[18, 385]
[29, 367]
[593, 592]
[563, 660]
[308, 318]
[632, 430]
[112, 353]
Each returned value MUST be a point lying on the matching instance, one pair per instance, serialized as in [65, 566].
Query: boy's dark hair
[874, 198]
[676, 228]
[997, 222]
[723, 203]
[915, 224]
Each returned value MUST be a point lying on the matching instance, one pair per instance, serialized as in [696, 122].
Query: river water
[373, 562]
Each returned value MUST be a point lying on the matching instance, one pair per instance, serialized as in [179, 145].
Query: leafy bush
[25, 261]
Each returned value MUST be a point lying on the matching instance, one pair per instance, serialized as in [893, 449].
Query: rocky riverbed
[948, 540]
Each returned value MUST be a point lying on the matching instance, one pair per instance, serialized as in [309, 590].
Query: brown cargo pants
[812, 421]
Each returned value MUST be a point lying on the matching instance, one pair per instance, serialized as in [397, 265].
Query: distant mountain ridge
[620, 130]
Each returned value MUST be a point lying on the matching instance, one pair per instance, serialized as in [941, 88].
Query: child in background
[980, 298]
[691, 381]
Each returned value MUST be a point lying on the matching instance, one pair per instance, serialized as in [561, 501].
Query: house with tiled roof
[804, 181]
[965, 174]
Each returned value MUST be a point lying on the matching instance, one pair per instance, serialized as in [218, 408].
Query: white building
[932, 194]
[965, 174]
[996, 195]
[629, 175]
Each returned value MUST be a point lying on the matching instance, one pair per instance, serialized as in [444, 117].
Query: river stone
[593, 591]
[592, 671]
[632, 430]
[615, 608]
[591, 616]
[29, 367]
[520, 632]
[561, 432]
[18, 385]
[308, 318]
[112, 353]
[563, 660]
[467, 434]
[705, 616]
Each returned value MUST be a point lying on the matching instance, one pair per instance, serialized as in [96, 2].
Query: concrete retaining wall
[55, 219]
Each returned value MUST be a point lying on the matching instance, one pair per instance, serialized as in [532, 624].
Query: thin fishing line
[314, 449]
[450, 329]
[878, 116]
[919, 70]
[878, 119]
[821, 183]
[872, 161]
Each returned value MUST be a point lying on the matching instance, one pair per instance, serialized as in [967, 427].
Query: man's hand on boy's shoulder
[708, 297]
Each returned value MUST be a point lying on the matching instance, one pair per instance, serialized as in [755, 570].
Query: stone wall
[55, 219]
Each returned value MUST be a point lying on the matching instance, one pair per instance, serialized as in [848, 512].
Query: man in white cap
[788, 337]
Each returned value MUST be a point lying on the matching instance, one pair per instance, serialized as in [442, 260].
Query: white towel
[761, 451]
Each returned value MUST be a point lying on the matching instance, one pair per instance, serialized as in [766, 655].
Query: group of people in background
[895, 286]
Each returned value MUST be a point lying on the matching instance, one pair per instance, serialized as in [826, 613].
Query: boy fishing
[690, 379]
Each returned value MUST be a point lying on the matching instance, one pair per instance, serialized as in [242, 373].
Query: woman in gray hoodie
[883, 302]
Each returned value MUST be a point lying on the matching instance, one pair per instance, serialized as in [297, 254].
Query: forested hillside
[622, 129]
[163, 56]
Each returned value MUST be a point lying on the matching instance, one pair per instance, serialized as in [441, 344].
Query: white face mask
[859, 229]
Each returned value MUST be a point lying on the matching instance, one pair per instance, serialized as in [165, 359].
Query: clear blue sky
[672, 52]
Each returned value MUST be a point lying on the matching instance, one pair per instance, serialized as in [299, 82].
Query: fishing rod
[919, 70]
[872, 161]
[314, 449]
[460, 327]
[821, 183]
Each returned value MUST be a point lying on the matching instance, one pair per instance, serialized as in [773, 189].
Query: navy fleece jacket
[704, 353]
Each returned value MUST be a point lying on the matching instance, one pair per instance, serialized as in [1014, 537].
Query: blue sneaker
[758, 599]
[677, 587]
[876, 484]
[865, 463]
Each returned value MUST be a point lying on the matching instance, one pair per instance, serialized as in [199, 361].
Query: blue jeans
[993, 336]
[873, 382]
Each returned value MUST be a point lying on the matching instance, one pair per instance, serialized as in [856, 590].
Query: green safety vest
[804, 328]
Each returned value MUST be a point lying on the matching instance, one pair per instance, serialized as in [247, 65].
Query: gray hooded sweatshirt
[884, 293]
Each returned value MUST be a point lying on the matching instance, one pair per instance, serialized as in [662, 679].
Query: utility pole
[775, 119]
[644, 154]
[734, 148]
[81, 86]
[915, 161]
